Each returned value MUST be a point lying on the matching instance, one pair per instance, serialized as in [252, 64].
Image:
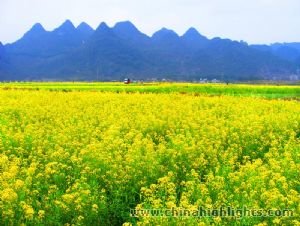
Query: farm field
[267, 91]
[89, 154]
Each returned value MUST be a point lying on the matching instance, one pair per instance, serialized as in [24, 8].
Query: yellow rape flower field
[94, 158]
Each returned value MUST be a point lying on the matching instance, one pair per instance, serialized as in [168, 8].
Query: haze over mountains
[82, 53]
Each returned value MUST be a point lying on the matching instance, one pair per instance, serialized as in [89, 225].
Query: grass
[246, 90]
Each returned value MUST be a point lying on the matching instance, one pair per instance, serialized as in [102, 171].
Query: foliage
[86, 158]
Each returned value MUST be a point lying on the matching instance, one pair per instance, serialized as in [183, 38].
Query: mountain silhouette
[193, 39]
[112, 53]
[85, 31]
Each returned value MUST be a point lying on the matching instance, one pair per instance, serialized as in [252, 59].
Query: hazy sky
[255, 21]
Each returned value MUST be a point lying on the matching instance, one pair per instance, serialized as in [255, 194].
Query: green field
[267, 91]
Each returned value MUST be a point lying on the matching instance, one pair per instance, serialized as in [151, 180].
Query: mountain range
[112, 53]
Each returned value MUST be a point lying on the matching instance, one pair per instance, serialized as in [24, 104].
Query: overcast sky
[255, 21]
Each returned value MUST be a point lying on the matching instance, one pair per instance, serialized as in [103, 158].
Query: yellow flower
[19, 184]
[69, 151]
[95, 208]
[28, 211]
[126, 224]
[8, 195]
[41, 214]
[68, 198]
[80, 218]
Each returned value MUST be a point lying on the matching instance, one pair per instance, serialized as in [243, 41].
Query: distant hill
[112, 53]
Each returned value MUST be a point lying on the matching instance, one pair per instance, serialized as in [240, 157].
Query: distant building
[215, 81]
[127, 81]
